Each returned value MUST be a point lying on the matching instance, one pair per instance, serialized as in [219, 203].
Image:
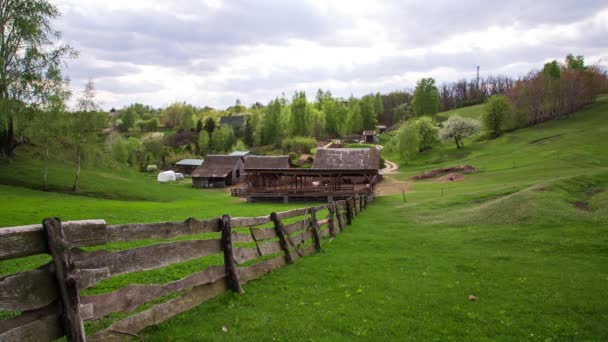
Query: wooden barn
[337, 173]
[218, 171]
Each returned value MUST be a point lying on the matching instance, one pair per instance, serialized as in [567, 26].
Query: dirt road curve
[391, 168]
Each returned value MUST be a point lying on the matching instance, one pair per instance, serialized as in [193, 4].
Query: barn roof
[233, 120]
[267, 162]
[347, 159]
[217, 166]
[190, 162]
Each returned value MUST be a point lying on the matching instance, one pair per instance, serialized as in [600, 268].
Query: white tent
[167, 176]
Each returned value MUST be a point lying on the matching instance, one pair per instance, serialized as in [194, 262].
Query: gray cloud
[199, 40]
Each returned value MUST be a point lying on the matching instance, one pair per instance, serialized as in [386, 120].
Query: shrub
[152, 168]
[408, 142]
[498, 110]
[428, 133]
[298, 145]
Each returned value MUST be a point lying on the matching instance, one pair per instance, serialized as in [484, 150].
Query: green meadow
[527, 234]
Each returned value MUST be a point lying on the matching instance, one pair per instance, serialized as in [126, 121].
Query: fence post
[330, 219]
[229, 262]
[339, 217]
[349, 212]
[66, 280]
[278, 228]
[365, 201]
[315, 228]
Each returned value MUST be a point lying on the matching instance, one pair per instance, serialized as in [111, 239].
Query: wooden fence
[49, 299]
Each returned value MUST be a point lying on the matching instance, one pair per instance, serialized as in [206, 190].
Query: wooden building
[336, 174]
[370, 137]
[218, 171]
[381, 129]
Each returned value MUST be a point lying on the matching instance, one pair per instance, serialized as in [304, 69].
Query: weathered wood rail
[49, 300]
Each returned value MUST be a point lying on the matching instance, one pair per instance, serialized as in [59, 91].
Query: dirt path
[391, 168]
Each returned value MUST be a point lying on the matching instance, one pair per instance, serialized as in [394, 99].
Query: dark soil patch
[442, 171]
[451, 177]
[582, 205]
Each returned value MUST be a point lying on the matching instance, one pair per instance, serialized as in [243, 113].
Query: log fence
[48, 301]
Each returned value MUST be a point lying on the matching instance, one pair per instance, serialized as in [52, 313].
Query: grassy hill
[527, 234]
[473, 112]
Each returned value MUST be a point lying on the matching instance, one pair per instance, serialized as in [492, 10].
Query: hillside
[526, 234]
[473, 112]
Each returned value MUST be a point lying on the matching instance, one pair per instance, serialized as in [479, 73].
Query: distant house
[381, 129]
[218, 171]
[242, 154]
[370, 137]
[267, 162]
[187, 166]
[234, 121]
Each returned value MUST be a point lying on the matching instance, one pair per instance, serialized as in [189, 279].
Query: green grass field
[527, 234]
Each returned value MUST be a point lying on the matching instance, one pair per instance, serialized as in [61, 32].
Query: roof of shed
[347, 159]
[267, 162]
[239, 153]
[190, 162]
[217, 166]
[369, 132]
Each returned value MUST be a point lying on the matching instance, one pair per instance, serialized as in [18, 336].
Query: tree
[428, 133]
[199, 125]
[187, 118]
[120, 151]
[498, 109]
[83, 126]
[30, 59]
[408, 142]
[209, 126]
[426, 98]
[248, 133]
[368, 112]
[575, 63]
[203, 144]
[378, 106]
[298, 114]
[458, 128]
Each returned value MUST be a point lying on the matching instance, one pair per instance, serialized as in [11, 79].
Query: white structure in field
[166, 176]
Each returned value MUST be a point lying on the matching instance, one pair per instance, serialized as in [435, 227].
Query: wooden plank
[339, 217]
[292, 213]
[161, 230]
[242, 255]
[16, 242]
[239, 237]
[322, 222]
[130, 297]
[38, 325]
[73, 325]
[321, 207]
[301, 238]
[232, 276]
[247, 274]
[323, 233]
[309, 250]
[250, 221]
[93, 270]
[28, 290]
[349, 211]
[132, 325]
[85, 233]
[263, 233]
[296, 226]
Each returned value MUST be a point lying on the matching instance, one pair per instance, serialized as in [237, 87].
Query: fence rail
[49, 299]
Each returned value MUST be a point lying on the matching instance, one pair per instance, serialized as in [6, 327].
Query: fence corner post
[315, 228]
[349, 211]
[330, 220]
[66, 279]
[233, 278]
[278, 228]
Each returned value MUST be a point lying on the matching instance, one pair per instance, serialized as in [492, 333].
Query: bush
[298, 145]
[152, 168]
[428, 133]
[408, 142]
[498, 110]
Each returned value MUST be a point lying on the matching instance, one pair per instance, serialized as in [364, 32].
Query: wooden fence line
[49, 297]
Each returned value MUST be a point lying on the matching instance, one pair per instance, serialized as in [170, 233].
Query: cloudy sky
[210, 52]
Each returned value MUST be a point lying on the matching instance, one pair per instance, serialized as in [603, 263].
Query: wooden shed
[187, 166]
[347, 159]
[267, 162]
[370, 137]
[218, 171]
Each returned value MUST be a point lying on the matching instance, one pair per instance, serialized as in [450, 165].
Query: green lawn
[527, 234]
[473, 112]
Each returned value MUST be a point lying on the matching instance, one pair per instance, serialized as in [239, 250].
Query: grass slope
[510, 234]
[473, 112]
